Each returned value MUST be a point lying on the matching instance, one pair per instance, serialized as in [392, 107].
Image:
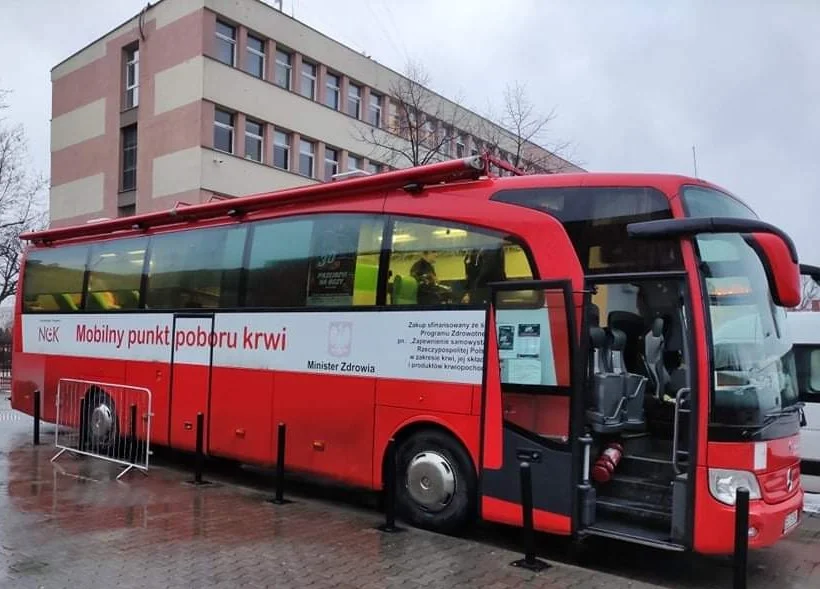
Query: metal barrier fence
[5, 367]
[104, 420]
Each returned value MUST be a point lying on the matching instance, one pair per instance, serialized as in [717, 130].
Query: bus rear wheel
[436, 483]
[101, 423]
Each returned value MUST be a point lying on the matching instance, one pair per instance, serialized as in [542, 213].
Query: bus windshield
[754, 382]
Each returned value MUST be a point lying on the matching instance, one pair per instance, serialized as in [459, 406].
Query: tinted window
[195, 269]
[325, 260]
[114, 274]
[53, 279]
[703, 202]
[595, 219]
[808, 372]
[439, 264]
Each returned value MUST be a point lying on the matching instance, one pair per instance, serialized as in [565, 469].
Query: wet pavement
[71, 524]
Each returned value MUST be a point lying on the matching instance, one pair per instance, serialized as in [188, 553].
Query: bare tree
[522, 132]
[810, 292]
[21, 203]
[421, 124]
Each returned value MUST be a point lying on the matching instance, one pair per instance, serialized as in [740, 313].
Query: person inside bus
[481, 267]
[430, 291]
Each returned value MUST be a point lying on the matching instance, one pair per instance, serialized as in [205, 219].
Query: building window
[132, 77]
[129, 158]
[374, 113]
[331, 163]
[333, 91]
[223, 130]
[283, 67]
[126, 210]
[253, 140]
[354, 100]
[373, 167]
[460, 149]
[255, 57]
[309, 80]
[307, 150]
[226, 43]
[354, 162]
[281, 150]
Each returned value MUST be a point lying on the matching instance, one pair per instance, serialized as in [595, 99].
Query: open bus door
[528, 393]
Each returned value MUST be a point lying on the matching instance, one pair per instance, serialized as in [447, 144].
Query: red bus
[480, 321]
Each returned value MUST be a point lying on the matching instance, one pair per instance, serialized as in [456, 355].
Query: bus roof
[413, 180]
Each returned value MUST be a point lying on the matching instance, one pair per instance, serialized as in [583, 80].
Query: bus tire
[435, 482]
[101, 421]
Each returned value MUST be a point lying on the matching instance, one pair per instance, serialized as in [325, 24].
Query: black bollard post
[279, 499]
[36, 418]
[83, 443]
[133, 435]
[529, 562]
[389, 525]
[741, 538]
[200, 458]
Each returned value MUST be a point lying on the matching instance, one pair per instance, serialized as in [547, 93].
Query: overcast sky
[634, 84]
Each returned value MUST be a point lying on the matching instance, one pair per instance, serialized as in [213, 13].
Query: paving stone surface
[71, 524]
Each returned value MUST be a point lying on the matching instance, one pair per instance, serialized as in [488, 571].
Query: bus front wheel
[436, 484]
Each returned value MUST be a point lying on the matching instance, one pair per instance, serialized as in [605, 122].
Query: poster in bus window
[333, 248]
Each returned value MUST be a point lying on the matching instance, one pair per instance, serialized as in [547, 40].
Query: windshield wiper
[773, 416]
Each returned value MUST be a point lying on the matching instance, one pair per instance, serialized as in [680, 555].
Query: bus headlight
[723, 484]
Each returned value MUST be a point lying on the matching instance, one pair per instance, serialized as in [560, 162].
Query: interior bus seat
[101, 301]
[634, 385]
[365, 282]
[654, 345]
[65, 302]
[405, 290]
[606, 411]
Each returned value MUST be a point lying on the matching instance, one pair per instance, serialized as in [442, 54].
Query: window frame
[260, 139]
[283, 66]
[354, 98]
[135, 147]
[310, 78]
[374, 109]
[286, 147]
[333, 90]
[229, 40]
[303, 142]
[132, 67]
[256, 53]
[231, 128]
[334, 162]
[352, 157]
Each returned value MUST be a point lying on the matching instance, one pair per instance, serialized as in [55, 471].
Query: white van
[805, 331]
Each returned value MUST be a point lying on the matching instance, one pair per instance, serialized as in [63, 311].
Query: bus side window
[115, 273]
[807, 359]
[321, 260]
[53, 279]
[195, 269]
[436, 264]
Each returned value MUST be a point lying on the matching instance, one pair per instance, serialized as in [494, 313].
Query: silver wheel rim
[102, 423]
[431, 481]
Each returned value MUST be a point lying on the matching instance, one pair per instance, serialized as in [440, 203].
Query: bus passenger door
[527, 391]
[191, 358]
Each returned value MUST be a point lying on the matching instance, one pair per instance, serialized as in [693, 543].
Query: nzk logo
[339, 338]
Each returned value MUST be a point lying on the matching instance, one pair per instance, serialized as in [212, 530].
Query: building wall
[181, 84]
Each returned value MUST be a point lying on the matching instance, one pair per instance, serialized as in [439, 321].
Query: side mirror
[812, 272]
[774, 248]
[782, 270]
